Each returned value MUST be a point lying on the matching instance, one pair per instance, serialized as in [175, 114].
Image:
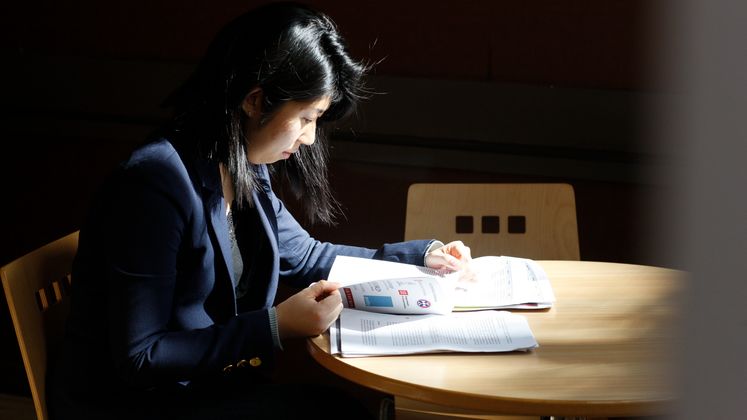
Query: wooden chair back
[536, 221]
[37, 288]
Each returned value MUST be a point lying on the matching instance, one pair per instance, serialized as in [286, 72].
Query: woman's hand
[309, 312]
[452, 256]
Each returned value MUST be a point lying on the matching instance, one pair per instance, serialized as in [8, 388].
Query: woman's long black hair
[292, 53]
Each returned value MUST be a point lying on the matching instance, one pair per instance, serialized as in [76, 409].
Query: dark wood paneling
[582, 43]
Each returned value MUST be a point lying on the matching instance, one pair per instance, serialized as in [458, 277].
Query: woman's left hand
[452, 256]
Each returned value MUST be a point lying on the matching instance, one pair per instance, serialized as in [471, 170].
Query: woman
[178, 263]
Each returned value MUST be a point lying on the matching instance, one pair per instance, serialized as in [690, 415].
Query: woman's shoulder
[154, 153]
[153, 171]
[158, 163]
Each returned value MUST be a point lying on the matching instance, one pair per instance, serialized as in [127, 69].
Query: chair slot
[491, 224]
[64, 285]
[517, 224]
[464, 224]
[41, 300]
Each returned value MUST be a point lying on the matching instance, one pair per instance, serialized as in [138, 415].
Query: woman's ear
[252, 103]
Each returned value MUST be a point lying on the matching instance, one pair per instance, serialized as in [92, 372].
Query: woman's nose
[309, 135]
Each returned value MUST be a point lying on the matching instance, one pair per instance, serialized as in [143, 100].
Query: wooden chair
[536, 221]
[36, 288]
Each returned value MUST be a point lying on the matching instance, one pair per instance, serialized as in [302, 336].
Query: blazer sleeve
[304, 260]
[158, 327]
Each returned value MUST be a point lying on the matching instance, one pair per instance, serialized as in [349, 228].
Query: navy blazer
[153, 300]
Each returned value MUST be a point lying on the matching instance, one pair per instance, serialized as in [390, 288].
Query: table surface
[606, 349]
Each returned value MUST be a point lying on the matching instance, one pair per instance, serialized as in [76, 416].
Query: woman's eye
[306, 121]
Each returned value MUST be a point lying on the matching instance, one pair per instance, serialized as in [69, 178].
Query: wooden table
[606, 349]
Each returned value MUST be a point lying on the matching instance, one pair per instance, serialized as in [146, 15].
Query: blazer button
[228, 369]
[242, 363]
[255, 361]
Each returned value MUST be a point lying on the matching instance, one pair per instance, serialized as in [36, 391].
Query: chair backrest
[36, 288]
[536, 221]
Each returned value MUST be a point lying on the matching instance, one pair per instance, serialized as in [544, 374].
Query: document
[502, 282]
[359, 333]
[397, 288]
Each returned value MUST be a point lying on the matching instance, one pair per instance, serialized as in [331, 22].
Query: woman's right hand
[309, 312]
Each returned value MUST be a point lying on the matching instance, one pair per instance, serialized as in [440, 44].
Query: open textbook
[396, 288]
[359, 333]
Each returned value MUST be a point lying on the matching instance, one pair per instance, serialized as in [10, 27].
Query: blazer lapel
[267, 217]
[217, 224]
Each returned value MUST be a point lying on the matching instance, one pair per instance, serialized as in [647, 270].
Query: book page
[353, 270]
[365, 333]
[502, 282]
[389, 287]
[334, 337]
[416, 295]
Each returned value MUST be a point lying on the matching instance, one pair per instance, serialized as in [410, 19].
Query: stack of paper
[394, 308]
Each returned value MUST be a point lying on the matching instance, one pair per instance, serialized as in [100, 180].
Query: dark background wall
[482, 91]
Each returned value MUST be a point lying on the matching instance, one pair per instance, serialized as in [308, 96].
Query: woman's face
[291, 126]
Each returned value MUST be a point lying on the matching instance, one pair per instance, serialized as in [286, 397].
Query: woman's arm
[304, 260]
